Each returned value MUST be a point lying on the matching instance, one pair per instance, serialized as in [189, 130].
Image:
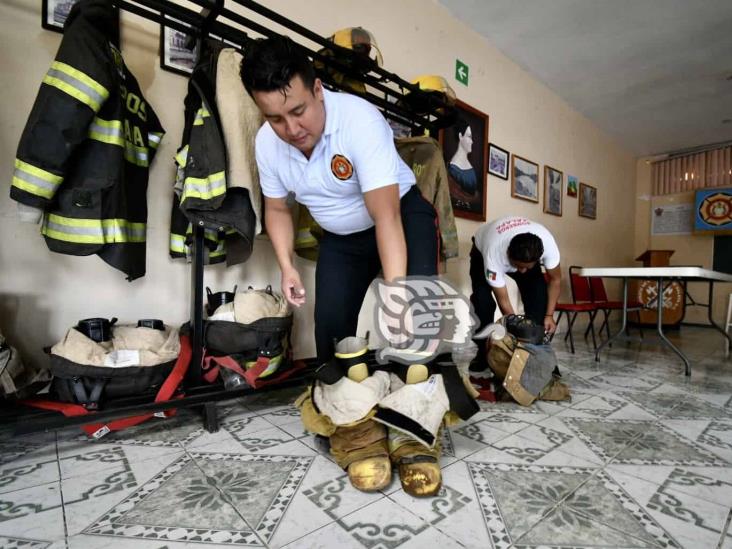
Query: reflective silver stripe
[178, 243]
[91, 231]
[34, 180]
[101, 230]
[136, 155]
[154, 139]
[206, 188]
[78, 84]
[105, 130]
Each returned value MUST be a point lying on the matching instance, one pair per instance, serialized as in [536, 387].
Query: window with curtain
[701, 170]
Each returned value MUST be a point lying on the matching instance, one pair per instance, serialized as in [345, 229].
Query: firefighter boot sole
[370, 474]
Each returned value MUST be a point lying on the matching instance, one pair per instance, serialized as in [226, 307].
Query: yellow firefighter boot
[370, 474]
[361, 449]
[420, 475]
[351, 353]
[419, 467]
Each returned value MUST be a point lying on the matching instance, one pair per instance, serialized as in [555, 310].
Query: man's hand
[549, 325]
[292, 287]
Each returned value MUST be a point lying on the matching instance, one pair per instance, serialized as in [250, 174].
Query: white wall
[43, 294]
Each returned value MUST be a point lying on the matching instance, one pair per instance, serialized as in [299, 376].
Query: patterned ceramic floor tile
[27, 449]
[212, 498]
[20, 474]
[20, 543]
[691, 521]
[454, 512]
[84, 458]
[86, 497]
[712, 484]
[640, 442]
[380, 525]
[695, 408]
[33, 513]
[283, 416]
[529, 505]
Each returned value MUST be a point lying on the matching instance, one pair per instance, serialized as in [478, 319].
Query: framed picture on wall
[572, 186]
[498, 161]
[553, 188]
[54, 14]
[174, 55]
[587, 201]
[524, 179]
[465, 150]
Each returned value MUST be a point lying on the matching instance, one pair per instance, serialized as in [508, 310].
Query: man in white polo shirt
[334, 153]
[516, 247]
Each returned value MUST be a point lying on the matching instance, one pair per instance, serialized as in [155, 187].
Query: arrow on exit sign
[462, 72]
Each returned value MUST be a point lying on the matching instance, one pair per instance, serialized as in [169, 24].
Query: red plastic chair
[580, 290]
[599, 297]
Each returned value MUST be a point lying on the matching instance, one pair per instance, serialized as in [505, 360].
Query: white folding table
[661, 274]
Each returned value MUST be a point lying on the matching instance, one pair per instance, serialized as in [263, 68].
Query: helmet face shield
[361, 42]
[436, 83]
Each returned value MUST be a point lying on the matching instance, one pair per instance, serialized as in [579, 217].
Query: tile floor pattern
[641, 457]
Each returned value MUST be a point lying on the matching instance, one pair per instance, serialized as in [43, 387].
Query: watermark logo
[418, 318]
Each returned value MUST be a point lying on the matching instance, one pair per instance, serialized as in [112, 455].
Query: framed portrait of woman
[465, 150]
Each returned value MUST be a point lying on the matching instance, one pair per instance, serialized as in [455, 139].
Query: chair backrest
[580, 286]
[597, 287]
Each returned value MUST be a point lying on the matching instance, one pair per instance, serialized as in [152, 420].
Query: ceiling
[654, 74]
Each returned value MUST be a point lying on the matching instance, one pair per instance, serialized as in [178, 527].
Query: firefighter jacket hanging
[213, 189]
[424, 156]
[85, 152]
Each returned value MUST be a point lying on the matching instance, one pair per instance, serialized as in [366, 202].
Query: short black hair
[526, 248]
[270, 63]
[460, 127]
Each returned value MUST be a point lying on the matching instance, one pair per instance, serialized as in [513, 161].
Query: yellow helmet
[361, 41]
[434, 82]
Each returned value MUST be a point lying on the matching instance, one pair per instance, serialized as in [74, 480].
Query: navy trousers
[531, 286]
[347, 264]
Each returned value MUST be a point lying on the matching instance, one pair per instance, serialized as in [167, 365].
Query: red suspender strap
[98, 430]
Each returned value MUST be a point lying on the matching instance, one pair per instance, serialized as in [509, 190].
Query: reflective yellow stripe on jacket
[110, 131]
[78, 85]
[200, 115]
[92, 231]
[178, 243]
[205, 188]
[34, 180]
[154, 138]
[107, 131]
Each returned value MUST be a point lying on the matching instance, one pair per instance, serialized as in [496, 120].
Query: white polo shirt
[355, 154]
[492, 240]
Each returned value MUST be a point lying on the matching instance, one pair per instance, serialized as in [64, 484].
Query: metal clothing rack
[398, 99]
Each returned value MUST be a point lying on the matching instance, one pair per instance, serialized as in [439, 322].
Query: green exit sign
[462, 72]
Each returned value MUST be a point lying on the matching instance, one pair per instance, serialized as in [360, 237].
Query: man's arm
[384, 208]
[553, 288]
[504, 303]
[281, 231]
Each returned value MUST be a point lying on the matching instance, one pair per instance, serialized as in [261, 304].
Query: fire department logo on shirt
[341, 167]
[490, 275]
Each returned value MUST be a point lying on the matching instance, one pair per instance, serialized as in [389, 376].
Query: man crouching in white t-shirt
[515, 247]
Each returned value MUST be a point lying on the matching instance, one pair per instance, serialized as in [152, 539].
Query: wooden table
[661, 274]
